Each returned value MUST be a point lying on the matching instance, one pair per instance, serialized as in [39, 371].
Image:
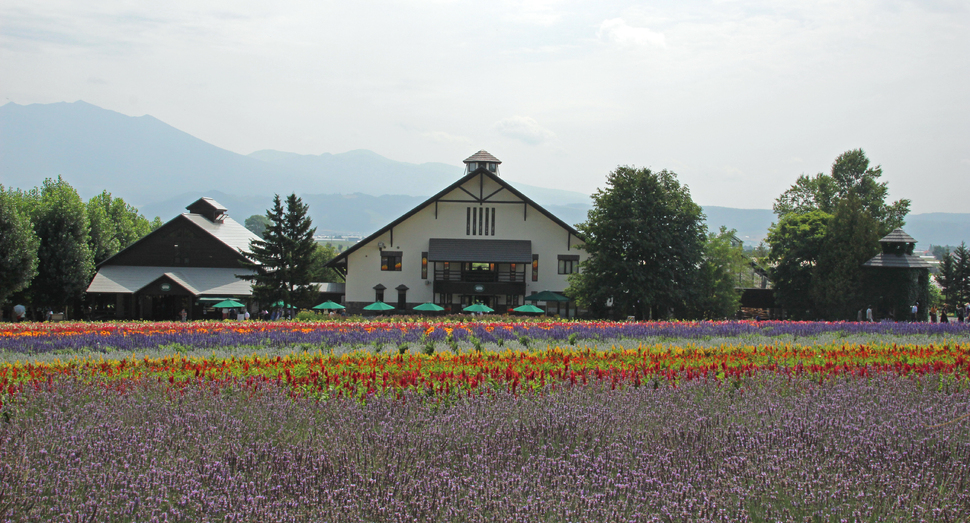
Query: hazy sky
[738, 98]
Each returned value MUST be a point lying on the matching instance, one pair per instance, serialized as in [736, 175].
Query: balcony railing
[479, 276]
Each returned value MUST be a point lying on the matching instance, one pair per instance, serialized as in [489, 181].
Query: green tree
[321, 255]
[828, 226]
[850, 173]
[645, 238]
[257, 224]
[716, 294]
[852, 238]
[795, 244]
[114, 225]
[283, 259]
[954, 277]
[18, 246]
[64, 254]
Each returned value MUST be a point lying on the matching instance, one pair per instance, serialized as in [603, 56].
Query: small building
[479, 240]
[896, 279]
[188, 263]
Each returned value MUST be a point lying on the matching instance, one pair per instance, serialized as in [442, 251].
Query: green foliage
[715, 292]
[114, 225]
[796, 241]
[645, 238]
[258, 224]
[64, 254]
[18, 249]
[828, 226]
[282, 259]
[850, 174]
[851, 239]
[321, 255]
[954, 277]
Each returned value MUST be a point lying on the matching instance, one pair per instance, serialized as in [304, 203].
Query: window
[479, 221]
[391, 261]
[568, 264]
[424, 266]
[535, 267]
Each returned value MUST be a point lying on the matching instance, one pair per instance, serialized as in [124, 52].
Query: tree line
[650, 255]
[53, 239]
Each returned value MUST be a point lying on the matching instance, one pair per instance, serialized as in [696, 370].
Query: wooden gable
[178, 243]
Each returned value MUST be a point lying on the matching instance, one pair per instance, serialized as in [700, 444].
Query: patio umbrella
[546, 296]
[528, 307]
[228, 304]
[329, 305]
[379, 306]
[478, 307]
[429, 307]
[281, 305]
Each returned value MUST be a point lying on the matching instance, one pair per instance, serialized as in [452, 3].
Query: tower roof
[482, 156]
[898, 236]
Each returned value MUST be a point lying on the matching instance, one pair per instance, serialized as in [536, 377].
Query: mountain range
[161, 169]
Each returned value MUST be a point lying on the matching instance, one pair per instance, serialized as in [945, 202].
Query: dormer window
[492, 166]
[472, 166]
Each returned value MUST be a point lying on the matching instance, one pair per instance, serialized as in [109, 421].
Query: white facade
[493, 280]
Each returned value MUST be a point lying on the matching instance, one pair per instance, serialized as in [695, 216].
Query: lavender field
[768, 448]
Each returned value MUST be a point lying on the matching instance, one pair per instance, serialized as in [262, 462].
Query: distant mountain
[161, 169]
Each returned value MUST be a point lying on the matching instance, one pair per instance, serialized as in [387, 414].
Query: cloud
[617, 31]
[443, 137]
[524, 129]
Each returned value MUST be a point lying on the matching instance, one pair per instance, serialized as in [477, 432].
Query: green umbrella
[478, 307]
[429, 307]
[228, 304]
[528, 307]
[329, 305]
[546, 296]
[379, 306]
[281, 305]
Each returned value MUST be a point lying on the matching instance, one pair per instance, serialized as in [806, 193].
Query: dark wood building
[188, 263]
[896, 279]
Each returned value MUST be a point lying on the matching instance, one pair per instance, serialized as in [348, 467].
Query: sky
[738, 98]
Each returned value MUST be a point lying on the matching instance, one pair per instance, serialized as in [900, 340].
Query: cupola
[482, 160]
[209, 208]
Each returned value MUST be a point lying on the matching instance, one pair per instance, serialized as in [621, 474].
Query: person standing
[183, 315]
[933, 314]
[943, 318]
[869, 314]
[914, 312]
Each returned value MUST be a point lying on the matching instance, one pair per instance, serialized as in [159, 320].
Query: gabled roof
[898, 261]
[228, 231]
[898, 236]
[342, 257]
[200, 281]
[482, 156]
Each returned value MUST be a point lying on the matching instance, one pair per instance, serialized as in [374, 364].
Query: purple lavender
[768, 449]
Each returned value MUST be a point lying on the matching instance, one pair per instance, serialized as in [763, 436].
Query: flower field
[484, 421]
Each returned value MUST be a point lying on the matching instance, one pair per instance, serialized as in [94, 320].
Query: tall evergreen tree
[954, 277]
[283, 259]
[18, 246]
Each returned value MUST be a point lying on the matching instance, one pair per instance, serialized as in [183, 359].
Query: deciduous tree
[645, 238]
[18, 246]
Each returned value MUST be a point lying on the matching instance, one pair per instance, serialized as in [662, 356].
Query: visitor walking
[914, 312]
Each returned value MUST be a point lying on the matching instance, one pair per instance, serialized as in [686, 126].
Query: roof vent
[209, 208]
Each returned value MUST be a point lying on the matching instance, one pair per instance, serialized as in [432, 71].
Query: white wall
[411, 238]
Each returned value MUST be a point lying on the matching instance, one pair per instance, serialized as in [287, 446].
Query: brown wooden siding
[179, 243]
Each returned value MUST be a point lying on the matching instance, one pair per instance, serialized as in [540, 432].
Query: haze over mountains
[161, 169]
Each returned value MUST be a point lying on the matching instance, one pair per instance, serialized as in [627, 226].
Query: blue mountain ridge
[161, 169]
